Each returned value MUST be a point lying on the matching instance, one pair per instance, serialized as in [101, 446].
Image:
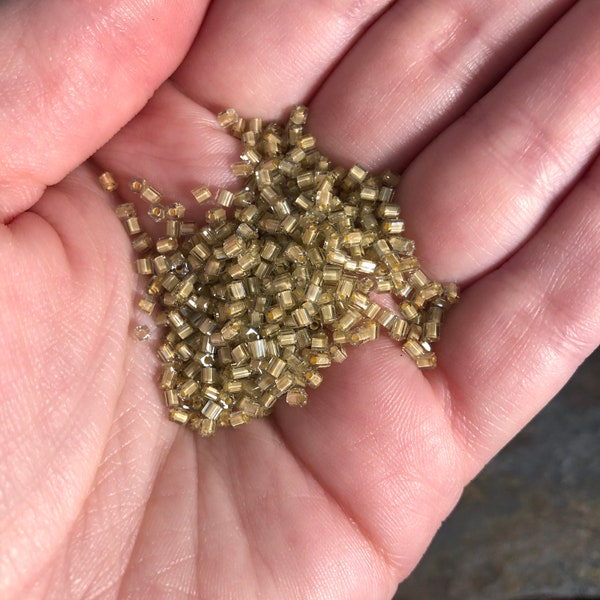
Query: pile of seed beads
[279, 280]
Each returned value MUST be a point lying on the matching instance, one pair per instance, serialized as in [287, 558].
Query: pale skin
[490, 109]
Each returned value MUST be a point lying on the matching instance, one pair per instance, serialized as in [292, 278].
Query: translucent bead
[337, 353]
[132, 226]
[188, 388]
[313, 378]
[386, 318]
[275, 366]
[108, 182]
[426, 361]
[208, 427]
[299, 115]
[175, 210]
[171, 398]
[431, 331]
[224, 198]
[238, 418]
[217, 215]
[141, 332]
[165, 245]
[125, 211]
[357, 173]
[142, 243]
[179, 415]
[296, 397]
[147, 304]
[399, 330]
[144, 266]
[240, 372]
[150, 194]
[211, 410]
[413, 349]
[227, 118]
[241, 169]
[137, 185]
[348, 320]
[365, 333]
[320, 360]
[409, 311]
[201, 194]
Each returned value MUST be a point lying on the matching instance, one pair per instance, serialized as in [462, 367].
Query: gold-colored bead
[227, 118]
[132, 226]
[171, 398]
[141, 332]
[108, 182]
[208, 427]
[201, 194]
[179, 415]
[238, 418]
[142, 243]
[296, 397]
[125, 211]
[211, 410]
[165, 245]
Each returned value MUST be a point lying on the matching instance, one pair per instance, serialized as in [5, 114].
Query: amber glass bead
[142, 332]
[227, 117]
[179, 415]
[108, 182]
[296, 397]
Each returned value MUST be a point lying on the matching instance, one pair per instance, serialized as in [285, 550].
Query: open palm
[489, 108]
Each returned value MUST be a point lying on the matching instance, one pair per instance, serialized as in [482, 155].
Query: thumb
[75, 72]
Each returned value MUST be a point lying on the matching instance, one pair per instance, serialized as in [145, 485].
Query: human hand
[100, 496]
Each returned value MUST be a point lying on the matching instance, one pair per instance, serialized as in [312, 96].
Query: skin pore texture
[490, 112]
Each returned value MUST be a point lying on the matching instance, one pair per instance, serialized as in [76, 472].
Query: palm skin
[491, 110]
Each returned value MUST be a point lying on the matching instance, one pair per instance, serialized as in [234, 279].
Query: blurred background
[528, 528]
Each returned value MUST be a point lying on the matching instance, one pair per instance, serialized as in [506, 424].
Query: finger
[520, 333]
[77, 72]
[264, 56]
[489, 182]
[417, 69]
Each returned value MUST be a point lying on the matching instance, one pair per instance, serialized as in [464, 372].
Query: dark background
[529, 526]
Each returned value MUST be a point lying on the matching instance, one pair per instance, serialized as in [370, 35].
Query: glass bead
[201, 194]
[150, 194]
[296, 397]
[426, 361]
[298, 115]
[337, 353]
[125, 211]
[227, 118]
[238, 418]
[132, 226]
[313, 378]
[142, 242]
[165, 245]
[431, 331]
[143, 266]
[224, 198]
[108, 182]
[241, 169]
[141, 332]
[137, 185]
[413, 349]
[399, 330]
[208, 427]
[179, 415]
[409, 311]
[171, 398]
[211, 410]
